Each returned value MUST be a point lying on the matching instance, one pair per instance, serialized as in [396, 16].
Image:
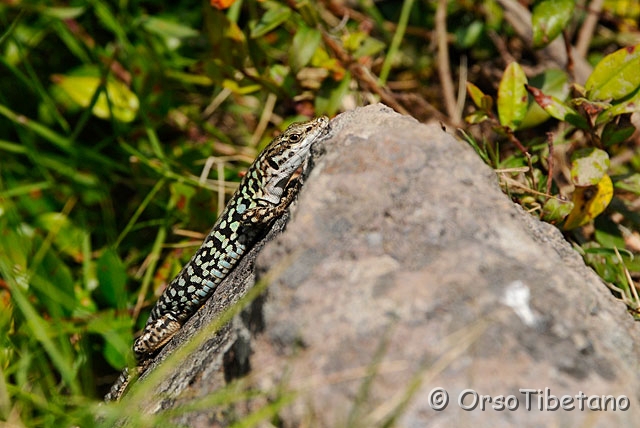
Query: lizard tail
[119, 387]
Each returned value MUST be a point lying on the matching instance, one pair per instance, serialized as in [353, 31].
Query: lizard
[263, 195]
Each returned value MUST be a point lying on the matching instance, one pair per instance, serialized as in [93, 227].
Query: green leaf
[616, 76]
[629, 106]
[609, 252]
[63, 12]
[588, 166]
[68, 237]
[330, 102]
[15, 250]
[555, 210]
[273, 18]
[629, 184]
[116, 331]
[108, 19]
[606, 266]
[235, 87]
[189, 78]
[614, 133]
[309, 12]
[548, 19]
[512, 96]
[482, 152]
[607, 233]
[552, 82]
[476, 94]
[112, 277]
[304, 45]
[167, 28]
[476, 117]
[622, 9]
[53, 284]
[338, 95]
[369, 47]
[557, 108]
[81, 89]
[353, 40]
[468, 35]
[493, 14]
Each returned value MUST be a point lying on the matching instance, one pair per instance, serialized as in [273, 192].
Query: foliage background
[125, 125]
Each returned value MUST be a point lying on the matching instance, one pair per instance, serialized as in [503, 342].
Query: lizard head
[286, 153]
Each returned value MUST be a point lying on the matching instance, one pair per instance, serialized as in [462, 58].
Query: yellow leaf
[589, 202]
[124, 103]
[234, 87]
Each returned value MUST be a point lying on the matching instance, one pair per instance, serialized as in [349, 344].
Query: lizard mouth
[297, 173]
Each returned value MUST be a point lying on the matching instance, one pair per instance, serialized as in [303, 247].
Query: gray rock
[404, 268]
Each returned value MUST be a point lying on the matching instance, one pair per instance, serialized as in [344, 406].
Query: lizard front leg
[266, 211]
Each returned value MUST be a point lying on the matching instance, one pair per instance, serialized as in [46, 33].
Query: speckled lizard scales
[263, 195]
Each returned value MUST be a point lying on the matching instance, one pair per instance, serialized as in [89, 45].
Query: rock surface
[404, 268]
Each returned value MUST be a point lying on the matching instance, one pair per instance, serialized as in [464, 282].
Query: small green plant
[565, 173]
[593, 122]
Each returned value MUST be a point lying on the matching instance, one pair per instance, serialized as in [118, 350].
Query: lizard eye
[294, 137]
